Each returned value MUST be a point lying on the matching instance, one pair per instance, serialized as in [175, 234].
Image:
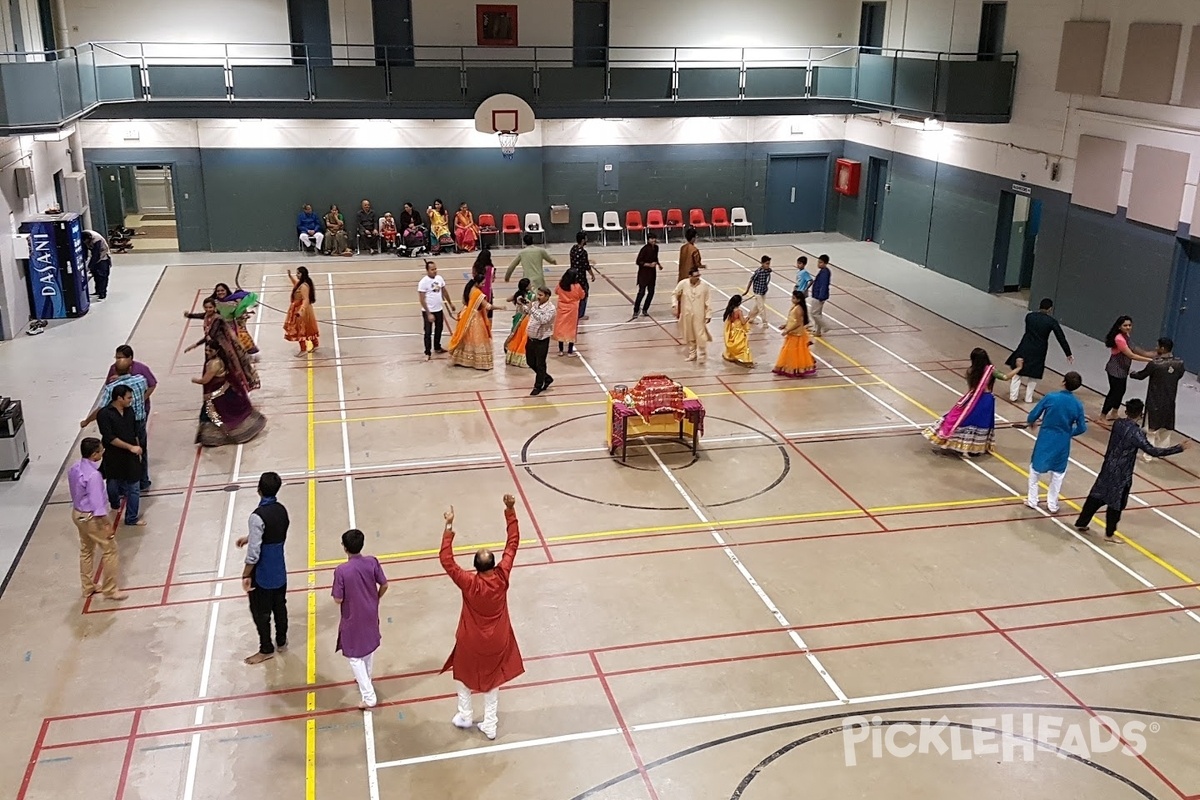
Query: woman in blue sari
[969, 427]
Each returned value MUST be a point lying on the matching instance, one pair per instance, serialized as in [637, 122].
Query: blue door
[1187, 317]
[797, 188]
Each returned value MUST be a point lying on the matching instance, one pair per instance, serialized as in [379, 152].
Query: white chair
[737, 217]
[591, 222]
[533, 224]
[612, 222]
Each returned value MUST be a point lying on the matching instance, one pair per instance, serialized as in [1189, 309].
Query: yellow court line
[801, 388]
[310, 700]
[691, 526]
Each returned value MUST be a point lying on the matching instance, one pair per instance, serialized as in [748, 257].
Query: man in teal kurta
[1063, 420]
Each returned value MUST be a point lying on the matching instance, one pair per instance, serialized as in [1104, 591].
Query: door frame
[828, 172]
[871, 219]
[588, 62]
[1004, 221]
[99, 207]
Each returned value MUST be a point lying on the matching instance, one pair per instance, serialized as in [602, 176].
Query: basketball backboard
[504, 112]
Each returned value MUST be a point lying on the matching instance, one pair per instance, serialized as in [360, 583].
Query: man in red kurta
[485, 654]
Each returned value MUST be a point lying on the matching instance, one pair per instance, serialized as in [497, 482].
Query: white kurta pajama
[691, 306]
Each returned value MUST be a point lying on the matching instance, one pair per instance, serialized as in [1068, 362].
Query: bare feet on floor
[258, 658]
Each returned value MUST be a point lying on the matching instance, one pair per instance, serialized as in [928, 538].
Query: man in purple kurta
[358, 585]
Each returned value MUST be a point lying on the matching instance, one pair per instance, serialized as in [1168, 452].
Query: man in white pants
[759, 283]
[1064, 420]
[308, 225]
[358, 584]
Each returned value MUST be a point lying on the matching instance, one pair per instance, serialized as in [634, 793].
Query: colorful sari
[471, 344]
[514, 345]
[223, 335]
[227, 416]
[737, 343]
[466, 232]
[969, 427]
[300, 325]
[795, 357]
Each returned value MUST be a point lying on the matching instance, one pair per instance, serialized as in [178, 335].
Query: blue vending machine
[58, 279]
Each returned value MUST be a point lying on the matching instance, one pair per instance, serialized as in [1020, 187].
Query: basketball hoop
[508, 144]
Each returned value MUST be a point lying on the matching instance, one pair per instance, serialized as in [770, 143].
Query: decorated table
[656, 406]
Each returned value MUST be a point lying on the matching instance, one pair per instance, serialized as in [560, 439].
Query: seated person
[409, 214]
[308, 225]
[466, 232]
[387, 231]
[368, 229]
[335, 229]
[414, 239]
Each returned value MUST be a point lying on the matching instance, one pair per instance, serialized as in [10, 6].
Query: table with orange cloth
[625, 423]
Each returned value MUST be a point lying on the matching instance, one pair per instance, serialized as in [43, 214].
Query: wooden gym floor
[693, 627]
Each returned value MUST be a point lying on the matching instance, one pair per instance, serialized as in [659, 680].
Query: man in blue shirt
[1062, 419]
[759, 282]
[264, 578]
[309, 226]
[820, 293]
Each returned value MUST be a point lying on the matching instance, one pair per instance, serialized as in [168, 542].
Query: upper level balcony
[44, 91]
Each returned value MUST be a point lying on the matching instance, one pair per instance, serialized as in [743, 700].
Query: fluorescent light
[916, 123]
[56, 136]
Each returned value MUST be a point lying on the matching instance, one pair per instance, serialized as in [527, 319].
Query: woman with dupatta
[737, 341]
[337, 241]
[236, 308]
[439, 226]
[300, 325]
[227, 415]
[217, 329]
[969, 427]
[795, 357]
[514, 345]
[471, 344]
[466, 232]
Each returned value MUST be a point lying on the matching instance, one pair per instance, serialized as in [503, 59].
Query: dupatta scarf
[965, 405]
[473, 314]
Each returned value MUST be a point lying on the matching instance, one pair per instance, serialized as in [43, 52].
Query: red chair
[654, 222]
[633, 224]
[720, 219]
[675, 219]
[510, 223]
[487, 227]
[696, 220]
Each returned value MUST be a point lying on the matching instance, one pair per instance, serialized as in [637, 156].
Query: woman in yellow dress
[471, 344]
[439, 227]
[795, 357]
[300, 325]
[737, 343]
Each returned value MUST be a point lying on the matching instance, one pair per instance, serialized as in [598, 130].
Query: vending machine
[57, 272]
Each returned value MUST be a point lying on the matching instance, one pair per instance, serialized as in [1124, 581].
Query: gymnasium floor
[692, 627]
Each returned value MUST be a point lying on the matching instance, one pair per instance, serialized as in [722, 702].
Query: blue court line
[245, 738]
[153, 747]
[55, 760]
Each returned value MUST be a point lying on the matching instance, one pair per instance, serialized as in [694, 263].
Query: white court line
[737, 562]
[372, 767]
[189, 786]
[788, 709]
[341, 389]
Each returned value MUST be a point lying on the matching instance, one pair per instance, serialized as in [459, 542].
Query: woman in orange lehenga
[514, 345]
[471, 344]
[466, 232]
[300, 326]
[795, 357]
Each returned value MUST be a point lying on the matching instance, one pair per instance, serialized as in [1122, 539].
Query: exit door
[1186, 331]
[877, 189]
[1015, 247]
[590, 23]
[796, 190]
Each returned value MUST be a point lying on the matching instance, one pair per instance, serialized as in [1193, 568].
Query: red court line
[869, 304]
[547, 682]
[512, 470]
[133, 734]
[802, 454]
[183, 515]
[633, 751]
[33, 758]
[1079, 702]
[629, 299]
[656, 643]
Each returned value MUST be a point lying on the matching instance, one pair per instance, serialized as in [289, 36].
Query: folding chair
[612, 222]
[720, 219]
[696, 220]
[533, 224]
[633, 223]
[740, 221]
[654, 222]
[509, 223]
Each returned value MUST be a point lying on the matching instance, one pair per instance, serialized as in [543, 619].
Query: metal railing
[91, 74]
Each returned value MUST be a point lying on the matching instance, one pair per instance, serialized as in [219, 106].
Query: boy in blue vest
[264, 578]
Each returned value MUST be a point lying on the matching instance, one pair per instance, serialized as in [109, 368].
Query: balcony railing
[42, 90]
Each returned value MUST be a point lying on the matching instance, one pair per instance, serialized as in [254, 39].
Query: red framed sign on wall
[846, 177]
[496, 26]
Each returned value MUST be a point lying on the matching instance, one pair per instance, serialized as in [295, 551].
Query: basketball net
[508, 144]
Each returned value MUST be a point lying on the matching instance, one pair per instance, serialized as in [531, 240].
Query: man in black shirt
[583, 268]
[122, 464]
[368, 228]
[647, 275]
[1164, 372]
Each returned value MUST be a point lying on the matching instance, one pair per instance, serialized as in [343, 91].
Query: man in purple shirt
[123, 364]
[358, 585]
[89, 512]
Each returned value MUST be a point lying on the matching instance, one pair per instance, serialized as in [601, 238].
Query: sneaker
[535, 392]
[1031, 504]
[460, 721]
[1052, 509]
[35, 329]
[546, 385]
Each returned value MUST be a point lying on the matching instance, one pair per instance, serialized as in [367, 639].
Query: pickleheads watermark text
[1009, 737]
